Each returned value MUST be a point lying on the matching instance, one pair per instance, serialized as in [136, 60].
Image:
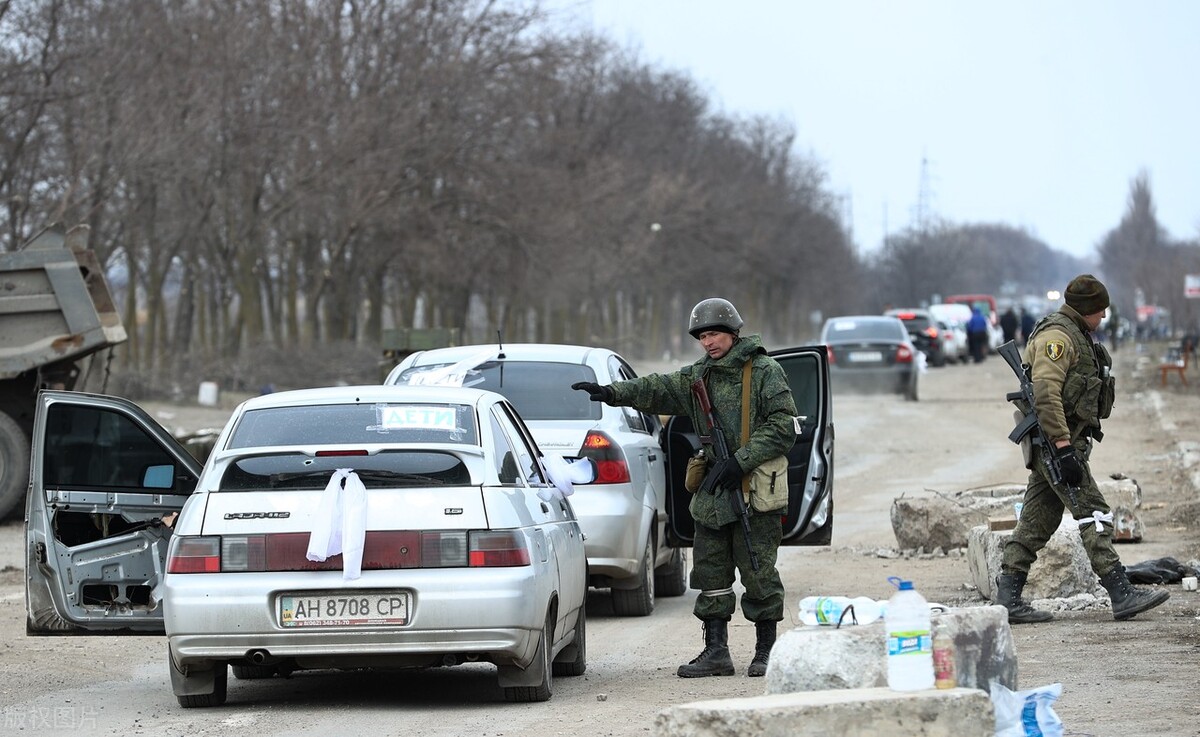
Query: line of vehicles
[888, 353]
[458, 513]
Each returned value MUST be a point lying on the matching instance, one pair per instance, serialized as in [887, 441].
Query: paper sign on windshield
[417, 417]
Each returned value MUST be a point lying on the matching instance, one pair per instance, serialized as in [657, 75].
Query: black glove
[729, 473]
[595, 391]
[1069, 465]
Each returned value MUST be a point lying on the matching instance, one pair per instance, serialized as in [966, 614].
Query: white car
[635, 514]
[348, 527]
[623, 512]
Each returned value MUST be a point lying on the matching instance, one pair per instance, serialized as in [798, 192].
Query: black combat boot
[1008, 595]
[714, 659]
[1128, 600]
[765, 634]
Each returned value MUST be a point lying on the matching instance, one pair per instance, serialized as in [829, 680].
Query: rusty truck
[57, 316]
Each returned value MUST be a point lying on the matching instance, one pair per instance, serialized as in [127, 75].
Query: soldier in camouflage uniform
[719, 545]
[1073, 391]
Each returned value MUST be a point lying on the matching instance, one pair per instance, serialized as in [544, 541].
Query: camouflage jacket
[771, 404]
[1071, 375]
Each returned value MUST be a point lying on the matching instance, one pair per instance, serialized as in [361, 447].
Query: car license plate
[348, 609]
[865, 356]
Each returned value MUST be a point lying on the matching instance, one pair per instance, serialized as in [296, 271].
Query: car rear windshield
[386, 470]
[356, 424]
[540, 390]
[843, 330]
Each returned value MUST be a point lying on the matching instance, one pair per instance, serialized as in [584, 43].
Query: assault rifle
[1028, 428]
[720, 452]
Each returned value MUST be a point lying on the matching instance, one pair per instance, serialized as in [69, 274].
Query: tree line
[273, 180]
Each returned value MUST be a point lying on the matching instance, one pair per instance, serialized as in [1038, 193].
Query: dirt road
[1121, 679]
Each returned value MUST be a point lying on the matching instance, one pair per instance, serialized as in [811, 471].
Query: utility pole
[924, 197]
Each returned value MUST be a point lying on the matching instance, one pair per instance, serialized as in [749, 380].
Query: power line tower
[924, 208]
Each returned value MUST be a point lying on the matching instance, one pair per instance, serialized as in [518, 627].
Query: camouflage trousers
[717, 553]
[1042, 514]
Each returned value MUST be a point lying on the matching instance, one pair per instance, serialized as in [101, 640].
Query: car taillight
[904, 355]
[931, 331]
[829, 354]
[501, 548]
[611, 467]
[195, 555]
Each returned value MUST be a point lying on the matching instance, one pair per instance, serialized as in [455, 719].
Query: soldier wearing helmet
[720, 544]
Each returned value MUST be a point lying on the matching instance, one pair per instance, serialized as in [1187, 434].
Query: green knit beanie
[1087, 295]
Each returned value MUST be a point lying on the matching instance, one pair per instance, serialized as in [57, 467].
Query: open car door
[103, 474]
[809, 516]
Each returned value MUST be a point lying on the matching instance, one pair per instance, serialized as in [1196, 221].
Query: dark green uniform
[1073, 392]
[719, 545]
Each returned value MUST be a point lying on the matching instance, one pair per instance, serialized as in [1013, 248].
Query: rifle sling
[746, 418]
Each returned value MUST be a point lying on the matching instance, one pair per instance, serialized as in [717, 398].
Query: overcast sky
[1034, 114]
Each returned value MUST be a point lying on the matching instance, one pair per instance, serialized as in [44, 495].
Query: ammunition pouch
[697, 467]
[769, 485]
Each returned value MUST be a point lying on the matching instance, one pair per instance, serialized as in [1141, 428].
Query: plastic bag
[1026, 713]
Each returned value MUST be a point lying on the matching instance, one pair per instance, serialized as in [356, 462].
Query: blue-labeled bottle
[909, 639]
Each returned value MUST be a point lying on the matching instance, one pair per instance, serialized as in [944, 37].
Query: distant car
[955, 317]
[873, 354]
[470, 550]
[924, 333]
[623, 512]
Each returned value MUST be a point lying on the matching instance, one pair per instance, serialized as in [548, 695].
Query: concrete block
[816, 658]
[1061, 570]
[1124, 497]
[872, 712]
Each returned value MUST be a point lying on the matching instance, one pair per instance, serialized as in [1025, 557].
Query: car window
[638, 421]
[95, 447]
[526, 448]
[356, 424]
[540, 390]
[504, 455]
[803, 374]
[841, 330]
[388, 469]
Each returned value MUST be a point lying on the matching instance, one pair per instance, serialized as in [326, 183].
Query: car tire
[639, 601]
[543, 690]
[913, 394]
[14, 465]
[252, 672]
[216, 697]
[671, 579]
[574, 656]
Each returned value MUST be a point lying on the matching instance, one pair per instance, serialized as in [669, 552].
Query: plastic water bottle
[831, 610]
[909, 641]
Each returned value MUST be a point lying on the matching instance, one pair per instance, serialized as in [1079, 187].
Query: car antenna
[500, 342]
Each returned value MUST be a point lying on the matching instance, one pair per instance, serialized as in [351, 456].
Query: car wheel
[572, 661]
[199, 680]
[671, 579]
[639, 601]
[543, 690]
[252, 672]
[913, 393]
[14, 464]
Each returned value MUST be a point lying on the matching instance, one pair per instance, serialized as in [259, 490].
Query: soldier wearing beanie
[1073, 391]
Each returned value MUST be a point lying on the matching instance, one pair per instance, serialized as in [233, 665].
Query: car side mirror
[159, 477]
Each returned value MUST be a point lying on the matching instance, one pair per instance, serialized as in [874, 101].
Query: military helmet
[714, 313]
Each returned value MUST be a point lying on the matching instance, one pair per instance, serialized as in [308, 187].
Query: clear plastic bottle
[909, 641]
[831, 610]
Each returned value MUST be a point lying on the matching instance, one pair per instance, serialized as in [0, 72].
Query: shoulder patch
[1055, 349]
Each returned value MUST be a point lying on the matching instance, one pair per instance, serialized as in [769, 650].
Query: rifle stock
[720, 449]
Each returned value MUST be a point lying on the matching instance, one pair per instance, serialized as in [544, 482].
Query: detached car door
[809, 516]
[103, 474]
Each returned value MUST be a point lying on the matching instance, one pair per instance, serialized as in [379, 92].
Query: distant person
[1009, 324]
[1026, 325]
[1073, 391]
[977, 334]
[1114, 327]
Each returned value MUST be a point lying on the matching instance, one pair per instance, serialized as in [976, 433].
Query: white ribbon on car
[1097, 517]
[454, 374]
[340, 524]
[564, 475]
